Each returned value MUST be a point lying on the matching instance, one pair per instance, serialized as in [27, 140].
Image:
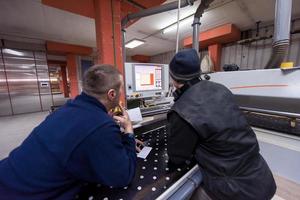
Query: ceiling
[32, 20]
[243, 13]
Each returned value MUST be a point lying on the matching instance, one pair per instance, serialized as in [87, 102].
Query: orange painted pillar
[215, 52]
[108, 34]
[72, 73]
[118, 36]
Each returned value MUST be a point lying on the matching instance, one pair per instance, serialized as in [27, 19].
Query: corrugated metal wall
[255, 55]
[165, 58]
[252, 55]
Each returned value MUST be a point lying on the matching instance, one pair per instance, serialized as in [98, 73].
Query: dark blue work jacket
[77, 143]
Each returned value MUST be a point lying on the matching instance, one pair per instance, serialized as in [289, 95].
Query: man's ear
[111, 94]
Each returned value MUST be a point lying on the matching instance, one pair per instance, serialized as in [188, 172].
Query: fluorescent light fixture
[13, 52]
[182, 22]
[134, 43]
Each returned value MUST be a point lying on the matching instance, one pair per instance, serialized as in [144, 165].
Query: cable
[178, 22]
[113, 32]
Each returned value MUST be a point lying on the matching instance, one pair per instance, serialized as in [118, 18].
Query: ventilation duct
[156, 10]
[196, 24]
[281, 39]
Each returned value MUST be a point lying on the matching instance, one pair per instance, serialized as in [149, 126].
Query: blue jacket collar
[92, 100]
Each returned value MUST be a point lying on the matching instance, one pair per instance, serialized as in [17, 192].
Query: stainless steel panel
[5, 106]
[24, 45]
[22, 81]
[44, 82]
[18, 54]
[40, 56]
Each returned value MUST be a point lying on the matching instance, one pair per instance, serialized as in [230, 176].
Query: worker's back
[227, 151]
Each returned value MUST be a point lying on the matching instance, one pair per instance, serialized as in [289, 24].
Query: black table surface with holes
[153, 175]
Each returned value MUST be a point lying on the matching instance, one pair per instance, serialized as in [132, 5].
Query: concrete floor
[14, 129]
[27, 104]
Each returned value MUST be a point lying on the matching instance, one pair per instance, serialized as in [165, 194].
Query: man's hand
[138, 145]
[124, 121]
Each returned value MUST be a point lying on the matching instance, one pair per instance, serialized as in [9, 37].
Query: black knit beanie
[185, 65]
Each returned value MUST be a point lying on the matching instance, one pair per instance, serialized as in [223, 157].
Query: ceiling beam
[218, 35]
[80, 7]
[62, 48]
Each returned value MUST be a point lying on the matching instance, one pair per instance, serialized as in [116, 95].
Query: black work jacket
[205, 123]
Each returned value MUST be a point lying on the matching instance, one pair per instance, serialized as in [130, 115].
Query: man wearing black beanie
[206, 124]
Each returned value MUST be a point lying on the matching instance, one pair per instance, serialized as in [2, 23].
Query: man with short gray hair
[80, 142]
[103, 79]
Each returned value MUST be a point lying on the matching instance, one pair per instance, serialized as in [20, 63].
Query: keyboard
[153, 110]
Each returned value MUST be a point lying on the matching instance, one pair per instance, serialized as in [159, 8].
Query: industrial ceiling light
[134, 43]
[172, 27]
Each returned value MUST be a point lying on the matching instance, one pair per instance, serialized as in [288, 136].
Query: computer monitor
[147, 77]
[146, 80]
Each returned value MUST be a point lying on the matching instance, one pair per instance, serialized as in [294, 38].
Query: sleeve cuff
[128, 140]
[131, 135]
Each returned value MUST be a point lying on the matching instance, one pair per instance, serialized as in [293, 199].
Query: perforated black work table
[154, 175]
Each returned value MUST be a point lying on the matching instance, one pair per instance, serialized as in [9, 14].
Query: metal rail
[271, 112]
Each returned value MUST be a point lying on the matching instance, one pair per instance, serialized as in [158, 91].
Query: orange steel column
[104, 31]
[72, 73]
[215, 52]
[118, 35]
[108, 33]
